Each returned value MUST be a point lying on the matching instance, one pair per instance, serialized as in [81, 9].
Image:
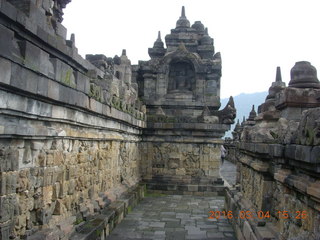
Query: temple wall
[181, 159]
[69, 146]
[278, 159]
[290, 196]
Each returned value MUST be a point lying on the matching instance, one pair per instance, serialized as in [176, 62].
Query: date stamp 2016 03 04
[258, 214]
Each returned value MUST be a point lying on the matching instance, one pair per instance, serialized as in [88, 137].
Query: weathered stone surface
[304, 75]
[72, 138]
[5, 69]
[83, 83]
[282, 178]
[314, 189]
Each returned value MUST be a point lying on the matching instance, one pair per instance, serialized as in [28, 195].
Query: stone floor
[177, 217]
[228, 173]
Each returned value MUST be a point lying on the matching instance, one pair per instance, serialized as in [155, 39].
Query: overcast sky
[253, 36]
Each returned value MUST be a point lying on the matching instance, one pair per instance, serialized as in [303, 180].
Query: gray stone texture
[180, 85]
[278, 160]
[75, 136]
[5, 69]
[174, 217]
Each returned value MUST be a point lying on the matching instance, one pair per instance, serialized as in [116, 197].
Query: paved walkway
[177, 217]
[228, 173]
[174, 217]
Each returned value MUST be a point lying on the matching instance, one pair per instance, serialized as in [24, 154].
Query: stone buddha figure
[180, 77]
[181, 81]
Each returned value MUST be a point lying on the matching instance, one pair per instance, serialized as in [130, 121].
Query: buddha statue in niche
[181, 77]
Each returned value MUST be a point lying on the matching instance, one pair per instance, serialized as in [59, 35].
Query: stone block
[9, 160]
[5, 69]
[21, 5]
[31, 80]
[61, 30]
[53, 89]
[56, 191]
[262, 148]
[46, 234]
[39, 108]
[42, 86]
[72, 97]
[43, 216]
[9, 10]
[63, 72]
[52, 40]
[291, 113]
[47, 193]
[83, 100]
[276, 150]
[8, 205]
[60, 208]
[31, 54]
[72, 186]
[5, 230]
[281, 175]
[21, 18]
[290, 151]
[11, 182]
[193, 188]
[61, 45]
[42, 34]
[83, 82]
[63, 189]
[303, 153]
[247, 230]
[263, 233]
[49, 177]
[3, 184]
[7, 44]
[30, 26]
[37, 15]
[23, 79]
[64, 94]
[314, 189]
[315, 155]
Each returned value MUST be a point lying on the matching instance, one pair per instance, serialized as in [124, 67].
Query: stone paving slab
[161, 217]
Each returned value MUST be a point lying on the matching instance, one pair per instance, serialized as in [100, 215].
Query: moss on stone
[310, 135]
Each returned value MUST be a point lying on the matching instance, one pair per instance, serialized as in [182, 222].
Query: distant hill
[243, 103]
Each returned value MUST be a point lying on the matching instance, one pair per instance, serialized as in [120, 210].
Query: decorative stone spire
[237, 126]
[278, 75]
[198, 26]
[158, 49]
[206, 39]
[158, 43]
[304, 75]
[243, 121]
[276, 86]
[124, 58]
[183, 13]
[183, 22]
[252, 114]
[73, 38]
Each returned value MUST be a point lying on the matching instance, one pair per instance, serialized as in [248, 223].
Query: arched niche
[181, 76]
